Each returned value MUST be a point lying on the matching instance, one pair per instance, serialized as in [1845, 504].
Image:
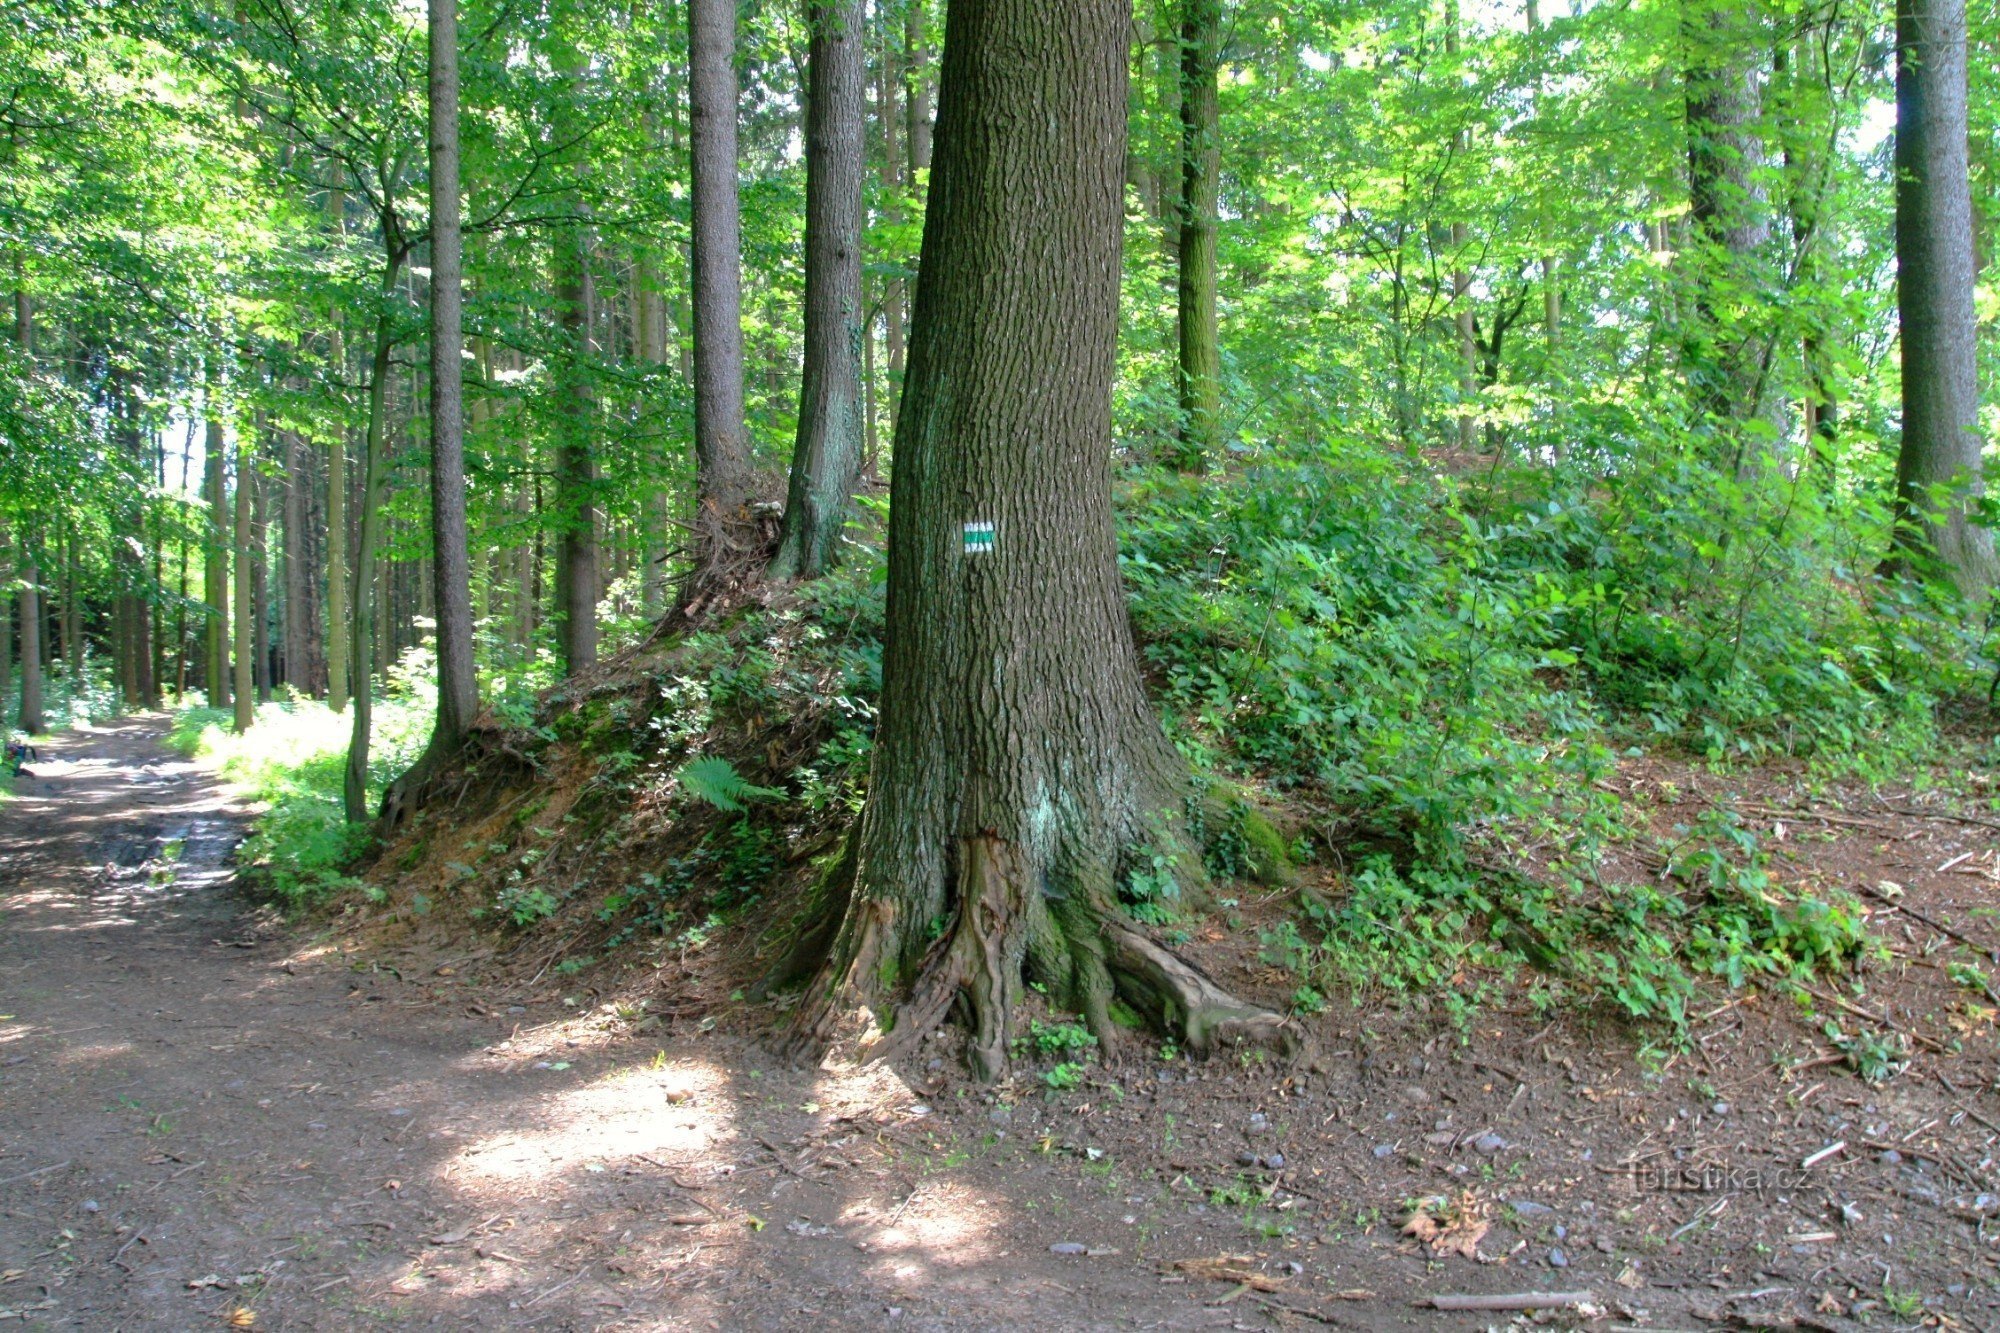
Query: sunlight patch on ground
[672, 1114]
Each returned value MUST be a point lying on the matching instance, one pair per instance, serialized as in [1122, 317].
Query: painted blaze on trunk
[1019, 764]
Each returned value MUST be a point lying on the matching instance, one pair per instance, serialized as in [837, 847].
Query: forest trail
[206, 1115]
[200, 1117]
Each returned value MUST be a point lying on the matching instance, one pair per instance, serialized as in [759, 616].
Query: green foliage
[292, 763]
[715, 780]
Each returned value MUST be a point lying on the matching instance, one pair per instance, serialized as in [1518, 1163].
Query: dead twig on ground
[1519, 1300]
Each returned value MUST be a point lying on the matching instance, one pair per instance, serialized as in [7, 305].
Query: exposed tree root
[1006, 930]
[1207, 1016]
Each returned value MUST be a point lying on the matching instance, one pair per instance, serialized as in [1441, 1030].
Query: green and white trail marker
[980, 538]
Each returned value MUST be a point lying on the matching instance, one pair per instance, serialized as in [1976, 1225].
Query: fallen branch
[1939, 926]
[1873, 1017]
[1519, 1300]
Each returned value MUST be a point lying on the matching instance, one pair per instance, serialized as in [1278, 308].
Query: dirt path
[198, 1117]
[205, 1117]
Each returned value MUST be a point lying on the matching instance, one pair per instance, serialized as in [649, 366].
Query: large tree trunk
[1937, 470]
[1728, 353]
[721, 442]
[1199, 377]
[1019, 762]
[826, 459]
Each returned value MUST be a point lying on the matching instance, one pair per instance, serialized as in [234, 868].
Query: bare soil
[207, 1116]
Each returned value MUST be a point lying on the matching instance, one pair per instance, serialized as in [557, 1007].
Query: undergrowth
[1432, 679]
[293, 763]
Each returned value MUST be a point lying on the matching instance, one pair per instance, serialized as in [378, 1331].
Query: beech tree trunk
[6, 619]
[826, 458]
[1938, 467]
[721, 442]
[1199, 371]
[1019, 763]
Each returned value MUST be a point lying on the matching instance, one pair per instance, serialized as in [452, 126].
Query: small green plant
[524, 904]
[715, 780]
[1063, 1077]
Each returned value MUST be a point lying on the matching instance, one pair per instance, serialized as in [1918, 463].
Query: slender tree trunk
[1938, 478]
[721, 443]
[826, 459]
[1018, 759]
[917, 86]
[260, 582]
[458, 687]
[894, 291]
[1199, 377]
[339, 596]
[576, 464]
[29, 599]
[1461, 284]
[215, 559]
[244, 682]
[649, 308]
[1728, 359]
[362, 628]
[6, 620]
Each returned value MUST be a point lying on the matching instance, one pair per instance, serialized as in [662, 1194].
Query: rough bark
[1199, 371]
[1938, 467]
[1019, 763]
[826, 456]
[721, 442]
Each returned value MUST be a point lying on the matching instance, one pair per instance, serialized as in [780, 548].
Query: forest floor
[207, 1116]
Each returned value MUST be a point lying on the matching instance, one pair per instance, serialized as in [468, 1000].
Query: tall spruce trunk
[826, 457]
[1199, 371]
[1019, 764]
[451, 567]
[1938, 479]
[721, 441]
